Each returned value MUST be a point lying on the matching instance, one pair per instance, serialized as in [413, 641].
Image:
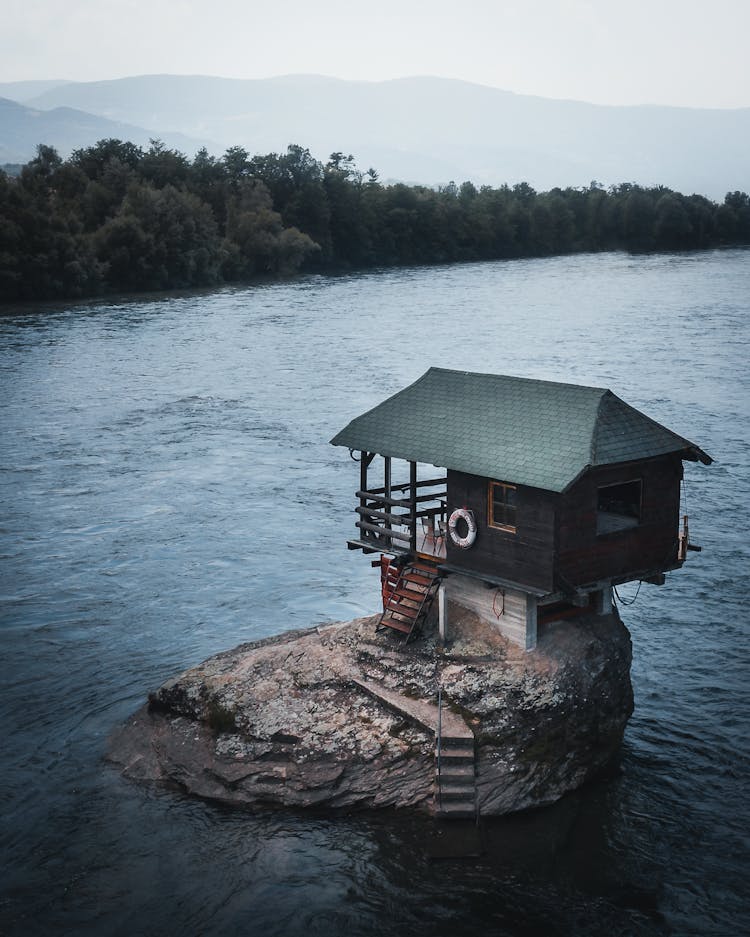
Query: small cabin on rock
[548, 496]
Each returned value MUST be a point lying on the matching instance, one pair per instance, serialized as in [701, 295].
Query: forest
[115, 217]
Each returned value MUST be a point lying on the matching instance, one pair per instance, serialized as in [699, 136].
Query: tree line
[117, 217]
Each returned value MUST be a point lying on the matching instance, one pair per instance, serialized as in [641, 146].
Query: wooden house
[548, 496]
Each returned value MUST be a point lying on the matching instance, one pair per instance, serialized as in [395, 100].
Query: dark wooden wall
[524, 557]
[583, 557]
[558, 533]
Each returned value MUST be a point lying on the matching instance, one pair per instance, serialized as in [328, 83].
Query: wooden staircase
[408, 593]
[455, 786]
[454, 791]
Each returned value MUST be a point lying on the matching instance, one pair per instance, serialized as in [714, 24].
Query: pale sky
[680, 52]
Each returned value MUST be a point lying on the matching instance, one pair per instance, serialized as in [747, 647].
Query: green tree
[263, 245]
[638, 217]
[92, 159]
[295, 181]
[733, 218]
[159, 239]
[350, 216]
[115, 216]
[672, 228]
[162, 166]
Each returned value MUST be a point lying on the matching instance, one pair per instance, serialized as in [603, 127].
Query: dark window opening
[502, 506]
[618, 507]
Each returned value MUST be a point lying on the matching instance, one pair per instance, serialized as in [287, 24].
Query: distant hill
[65, 128]
[21, 91]
[432, 130]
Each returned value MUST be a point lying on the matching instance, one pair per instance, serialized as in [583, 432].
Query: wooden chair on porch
[440, 542]
[428, 535]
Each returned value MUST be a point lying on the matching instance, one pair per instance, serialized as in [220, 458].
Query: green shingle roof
[537, 433]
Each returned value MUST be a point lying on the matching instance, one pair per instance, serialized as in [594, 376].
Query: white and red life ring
[471, 528]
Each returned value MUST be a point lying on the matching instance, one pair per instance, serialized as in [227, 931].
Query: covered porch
[406, 513]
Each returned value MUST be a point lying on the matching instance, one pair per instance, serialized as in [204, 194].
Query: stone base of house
[515, 614]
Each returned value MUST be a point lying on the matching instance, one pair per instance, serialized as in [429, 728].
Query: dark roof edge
[398, 393]
[695, 454]
[513, 377]
[688, 450]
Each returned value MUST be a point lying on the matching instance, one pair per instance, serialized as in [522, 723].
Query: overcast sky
[681, 52]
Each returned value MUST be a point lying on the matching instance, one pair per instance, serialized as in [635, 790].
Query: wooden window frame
[491, 522]
[613, 527]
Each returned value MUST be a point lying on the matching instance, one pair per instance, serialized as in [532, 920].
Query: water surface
[168, 492]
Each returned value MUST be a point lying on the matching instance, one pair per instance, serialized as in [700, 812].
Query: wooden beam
[397, 502]
[367, 546]
[363, 464]
[404, 486]
[413, 499]
[387, 485]
[427, 482]
[404, 519]
[395, 534]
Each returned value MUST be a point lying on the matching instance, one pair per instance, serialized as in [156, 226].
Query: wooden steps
[408, 592]
[454, 792]
[455, 777]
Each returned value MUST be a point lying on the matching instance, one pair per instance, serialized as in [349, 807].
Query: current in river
[168, 492]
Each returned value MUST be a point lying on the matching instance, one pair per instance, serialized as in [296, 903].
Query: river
[169, 492]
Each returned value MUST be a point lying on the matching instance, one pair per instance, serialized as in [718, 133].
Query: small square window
[618, 507]
[502, 503]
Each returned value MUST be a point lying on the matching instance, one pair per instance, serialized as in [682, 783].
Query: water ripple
[168, 491]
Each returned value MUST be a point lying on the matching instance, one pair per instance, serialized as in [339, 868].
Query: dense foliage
[117, 217]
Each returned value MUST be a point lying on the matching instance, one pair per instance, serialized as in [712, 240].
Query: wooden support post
[442, 613]
[413, 510]
[387, 484]
[363, 466]
[604, 600]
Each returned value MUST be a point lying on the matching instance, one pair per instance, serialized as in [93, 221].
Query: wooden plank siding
[585, 557]
[525, 556]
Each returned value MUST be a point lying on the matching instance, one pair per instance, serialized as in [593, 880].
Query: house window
[618, 507]
[502, 506]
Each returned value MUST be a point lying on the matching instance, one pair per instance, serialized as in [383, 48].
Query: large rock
[297, 719]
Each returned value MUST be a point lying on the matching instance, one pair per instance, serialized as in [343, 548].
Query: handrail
[440, 746]
[399, 502]
[405, 486]
[378, 511]
[383, 531]
[385, 515]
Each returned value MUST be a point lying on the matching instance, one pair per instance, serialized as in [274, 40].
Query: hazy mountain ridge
[431, 130]
[22, 91]
[67, 128]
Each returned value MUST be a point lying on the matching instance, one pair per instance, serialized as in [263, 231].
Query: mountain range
[417, 130]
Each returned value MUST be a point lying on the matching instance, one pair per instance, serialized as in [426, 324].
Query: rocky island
[343, 717]
[551, 495]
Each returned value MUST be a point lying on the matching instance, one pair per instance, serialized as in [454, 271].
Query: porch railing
[388, 520]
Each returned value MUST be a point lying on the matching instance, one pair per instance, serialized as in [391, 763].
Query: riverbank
[114, 218]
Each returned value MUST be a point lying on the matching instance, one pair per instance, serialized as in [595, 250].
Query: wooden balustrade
[377, 512]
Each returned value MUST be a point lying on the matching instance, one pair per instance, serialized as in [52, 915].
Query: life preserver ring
[471, 528]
